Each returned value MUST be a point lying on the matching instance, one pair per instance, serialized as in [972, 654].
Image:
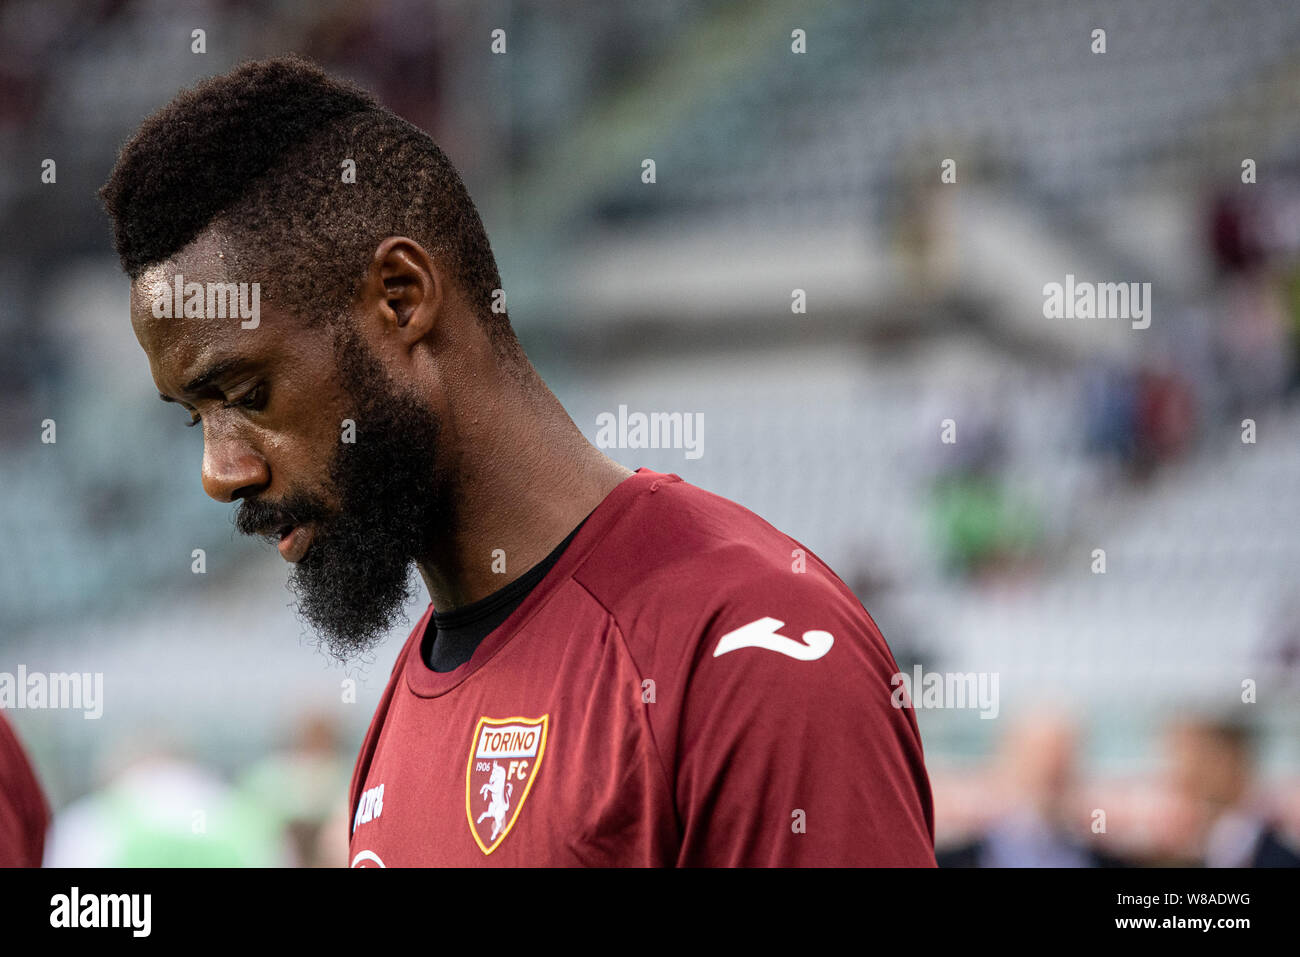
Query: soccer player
[616, 668]
[24, 815]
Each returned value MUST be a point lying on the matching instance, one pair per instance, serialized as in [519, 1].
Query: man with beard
[615, 667]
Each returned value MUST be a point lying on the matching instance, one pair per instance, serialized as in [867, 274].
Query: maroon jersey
[686, 686]
[24, 815]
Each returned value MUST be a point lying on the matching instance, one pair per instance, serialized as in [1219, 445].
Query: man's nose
[232, 468]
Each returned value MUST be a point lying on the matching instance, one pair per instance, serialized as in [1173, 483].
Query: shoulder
[688, 574]
[676, 538]
[760, 671]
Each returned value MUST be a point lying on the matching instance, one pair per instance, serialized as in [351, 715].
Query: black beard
[357, 575]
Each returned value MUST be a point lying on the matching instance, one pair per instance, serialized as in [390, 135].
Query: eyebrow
[219, 369]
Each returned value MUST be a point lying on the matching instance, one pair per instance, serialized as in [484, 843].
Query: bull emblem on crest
[499, 803]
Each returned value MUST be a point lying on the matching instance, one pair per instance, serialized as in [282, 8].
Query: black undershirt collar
[450, 637]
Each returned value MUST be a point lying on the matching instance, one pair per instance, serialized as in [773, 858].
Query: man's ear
[404, 288]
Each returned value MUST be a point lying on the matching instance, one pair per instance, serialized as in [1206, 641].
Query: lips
[294, 542]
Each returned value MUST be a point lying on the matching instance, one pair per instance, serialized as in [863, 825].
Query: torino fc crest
[503, 763]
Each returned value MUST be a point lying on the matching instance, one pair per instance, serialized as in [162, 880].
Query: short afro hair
[259, 152]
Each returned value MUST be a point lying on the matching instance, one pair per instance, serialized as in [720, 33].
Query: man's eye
[254, 398]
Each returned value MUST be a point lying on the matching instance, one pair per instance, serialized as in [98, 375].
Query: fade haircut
[258, 153]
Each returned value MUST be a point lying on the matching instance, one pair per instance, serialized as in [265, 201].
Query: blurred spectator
[1165, 420]
[1144, 419]
[1253, 342]
[1216, 819]
[1234, 236]
[1040, 826]
[981, 527]
[301, 790]
[1110, 411]
[164, 811]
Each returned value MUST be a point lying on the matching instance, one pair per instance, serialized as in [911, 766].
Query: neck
[526, 477]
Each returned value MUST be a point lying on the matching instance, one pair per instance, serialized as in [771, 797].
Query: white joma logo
[762, 634]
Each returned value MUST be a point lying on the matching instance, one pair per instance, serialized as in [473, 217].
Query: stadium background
[775, 171]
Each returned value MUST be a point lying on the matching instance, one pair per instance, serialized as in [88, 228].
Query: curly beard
[357, 576]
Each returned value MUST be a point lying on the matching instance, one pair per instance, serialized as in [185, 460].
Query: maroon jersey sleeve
[24, 815]
[789, 750]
